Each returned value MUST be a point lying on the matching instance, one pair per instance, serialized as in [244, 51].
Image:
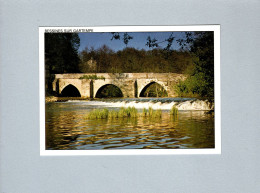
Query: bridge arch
[162, 90]
[131, 84]
[108, 90]
[70, 91]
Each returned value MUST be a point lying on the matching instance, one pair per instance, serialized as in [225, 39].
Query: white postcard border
[215, 28]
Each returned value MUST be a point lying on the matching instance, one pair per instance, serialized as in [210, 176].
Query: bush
[194, 86]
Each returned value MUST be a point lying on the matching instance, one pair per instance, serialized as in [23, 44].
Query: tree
[61, 55]
[133, 60]
[203, 48]
[195, 58]
[201, 79]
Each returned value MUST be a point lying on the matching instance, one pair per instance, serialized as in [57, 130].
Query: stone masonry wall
[124, 81]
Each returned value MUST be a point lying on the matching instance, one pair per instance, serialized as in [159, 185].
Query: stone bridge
[130, 84]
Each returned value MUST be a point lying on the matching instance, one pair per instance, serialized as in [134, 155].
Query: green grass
[174, 110]
[98, 114]
[157, 113]
[152, 113]
[145, 112]
[123, 113]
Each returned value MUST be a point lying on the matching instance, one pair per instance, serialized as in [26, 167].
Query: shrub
[195, 86]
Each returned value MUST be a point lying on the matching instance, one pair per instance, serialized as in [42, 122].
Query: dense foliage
[200, 83]
[196, 58]
[61, 55]
[106, 60]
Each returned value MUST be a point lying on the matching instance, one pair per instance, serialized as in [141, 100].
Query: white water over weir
[186, 104]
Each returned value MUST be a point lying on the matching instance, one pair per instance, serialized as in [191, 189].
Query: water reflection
[67, 128]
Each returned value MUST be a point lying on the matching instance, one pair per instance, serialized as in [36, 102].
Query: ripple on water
[188, 130]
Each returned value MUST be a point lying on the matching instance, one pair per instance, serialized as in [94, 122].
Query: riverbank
[49, 99]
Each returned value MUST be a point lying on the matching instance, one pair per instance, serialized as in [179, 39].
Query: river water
[67, 127]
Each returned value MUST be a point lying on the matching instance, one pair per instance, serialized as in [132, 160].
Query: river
[67, 127]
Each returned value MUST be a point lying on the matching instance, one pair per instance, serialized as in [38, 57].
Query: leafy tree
[61, 55]
[126, 37]
[133, 60]
[201, 79]
[103, 58]
[196, 58]
[87, 62]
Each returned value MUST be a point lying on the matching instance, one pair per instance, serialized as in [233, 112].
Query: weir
[182, 104]
[130, 84]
